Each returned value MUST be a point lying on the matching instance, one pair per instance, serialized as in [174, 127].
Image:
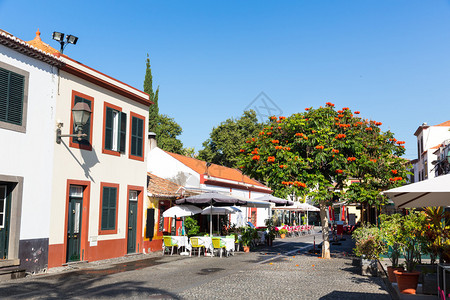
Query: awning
[276, 200]
[431, 192]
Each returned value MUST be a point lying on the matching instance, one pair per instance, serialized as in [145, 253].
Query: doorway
[5, 208]
[74, 222]
[132, 221]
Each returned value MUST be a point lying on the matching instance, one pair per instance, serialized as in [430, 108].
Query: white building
[194, 174]
[28, 90]
[428, 139]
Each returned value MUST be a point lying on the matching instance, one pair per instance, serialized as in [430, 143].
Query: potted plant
[270, 232]
[191, 226]
[390, 226]
[408, 238]
[247, 238]
[282, 232]
[369, 246]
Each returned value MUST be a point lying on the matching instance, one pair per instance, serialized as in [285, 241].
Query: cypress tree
[153, 113]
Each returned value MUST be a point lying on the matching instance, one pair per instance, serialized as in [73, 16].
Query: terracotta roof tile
[39, 44]
[214, 170]
[446, 123]
[160, 187]
[436, 147]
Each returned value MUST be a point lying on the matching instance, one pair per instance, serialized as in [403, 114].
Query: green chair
[218, 244]
[196, 245]
[168, 243]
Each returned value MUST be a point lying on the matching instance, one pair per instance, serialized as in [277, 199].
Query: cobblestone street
[285, 270]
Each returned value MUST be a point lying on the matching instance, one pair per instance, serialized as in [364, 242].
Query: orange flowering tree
[317, 152]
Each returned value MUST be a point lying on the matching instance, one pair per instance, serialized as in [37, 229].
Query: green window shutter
[11, 97]
[87, 127]
[109, 202]
[108, 128]
[105, 208]
[137, 136]
[123, 132]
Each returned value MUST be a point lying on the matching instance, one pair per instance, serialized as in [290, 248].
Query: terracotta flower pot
[407, 282]
[246, 248]
[283, 235]
[391, 275]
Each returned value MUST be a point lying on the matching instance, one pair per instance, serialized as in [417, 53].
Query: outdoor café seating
[169, 243]
[195, 245]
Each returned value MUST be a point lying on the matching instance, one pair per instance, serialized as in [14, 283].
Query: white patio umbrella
[181, 211]
[222, 210]
[431, 192]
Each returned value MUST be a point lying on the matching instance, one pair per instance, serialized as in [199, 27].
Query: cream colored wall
[93, 166]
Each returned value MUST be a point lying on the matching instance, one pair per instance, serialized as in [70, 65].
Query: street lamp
[80, 113]
[59, 37]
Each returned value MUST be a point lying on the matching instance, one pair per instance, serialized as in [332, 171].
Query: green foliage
[368, 242]
[390, 226]
[409, 237]
[247, 236]
[224, 142]
[282, 231]
[436, 232]
[167, 132]
[189, 152]
[271, 229]
[153, 113]
[191, 226]
[316, 152]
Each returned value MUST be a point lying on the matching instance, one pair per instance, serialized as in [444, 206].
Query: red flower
[369, 129]
[271, 159]
[357, 112]
[340, 136]
[273, 118]
[255, 157]
[339, 171]
[269, 133]
[329, 104]
[242, 150]
[262, 133]
[340, 116]
[307, 109]
[335, 151]
[275, 141]
[255, 151]
[319, 147]
[351, 158]
[394, 171]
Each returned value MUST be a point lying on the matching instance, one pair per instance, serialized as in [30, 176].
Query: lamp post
[81, 113]
[59, 37]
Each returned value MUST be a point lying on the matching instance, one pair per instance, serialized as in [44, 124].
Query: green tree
[153, 113]
[316, 152]
[223, 145]
[167, 131]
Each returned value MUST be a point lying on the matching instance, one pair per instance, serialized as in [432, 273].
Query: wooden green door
[74, 223]
[132, 222]
[5, 204]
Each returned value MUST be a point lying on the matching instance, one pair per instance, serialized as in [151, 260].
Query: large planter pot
[391, 275]
[283, 235]
[407, 282]
[429, 285]
[369, 267]
[246, 248]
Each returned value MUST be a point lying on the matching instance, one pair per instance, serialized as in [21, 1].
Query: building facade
[28, 92]
[429, 138]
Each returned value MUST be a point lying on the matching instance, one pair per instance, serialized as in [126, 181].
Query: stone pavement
[285, 270]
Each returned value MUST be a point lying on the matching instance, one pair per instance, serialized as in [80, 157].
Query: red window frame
[115, 107]
[110, 231]
[132, 114]
[71, 143]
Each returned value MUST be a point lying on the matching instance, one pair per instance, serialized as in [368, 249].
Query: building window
[13, 98]
[108, 209]
[115, 127]
[86, 142]
[2, 205]
[137, 136]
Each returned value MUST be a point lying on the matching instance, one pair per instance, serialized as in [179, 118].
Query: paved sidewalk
[285, 270]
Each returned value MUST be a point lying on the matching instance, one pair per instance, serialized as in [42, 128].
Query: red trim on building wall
[56, 255]
[105, 84]
[108, 249]
[132, 114]
[71, 143]
[112, 231]
[153, 245]
[139, 235]
[105, 105]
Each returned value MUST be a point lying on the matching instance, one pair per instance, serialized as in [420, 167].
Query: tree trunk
[325, 232]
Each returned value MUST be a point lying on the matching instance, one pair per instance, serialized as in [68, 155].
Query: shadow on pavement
[353, 295]
[69, 284]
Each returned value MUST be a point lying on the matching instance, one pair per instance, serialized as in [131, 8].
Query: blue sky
[388, 59]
